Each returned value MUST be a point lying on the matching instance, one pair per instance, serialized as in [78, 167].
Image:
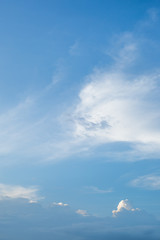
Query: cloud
[16, 191]
[117, 104]
[153, 14]
[94, 189]
[31, 132]
[150, 182]
[60, 204]
[82, 212]
[26, 221]
[75, 50]
[123, 205]
[120, 103]
[14, 126]
[124, 50]
[118, 107]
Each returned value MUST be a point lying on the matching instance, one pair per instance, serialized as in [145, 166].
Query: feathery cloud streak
[16, 191]
[150, 182]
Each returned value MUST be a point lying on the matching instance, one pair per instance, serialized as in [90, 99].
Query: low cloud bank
[32, 221]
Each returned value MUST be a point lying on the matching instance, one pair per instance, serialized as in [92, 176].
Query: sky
[79, 119]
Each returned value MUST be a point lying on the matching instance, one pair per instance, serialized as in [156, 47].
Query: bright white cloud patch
[114, 107]
[15, 191]
[123, 205]
[150, 182]
[60, 204]
[82, 212]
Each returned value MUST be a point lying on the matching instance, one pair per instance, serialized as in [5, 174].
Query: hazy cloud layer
[31, 220]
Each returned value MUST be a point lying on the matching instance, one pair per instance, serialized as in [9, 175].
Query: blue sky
[79, 119]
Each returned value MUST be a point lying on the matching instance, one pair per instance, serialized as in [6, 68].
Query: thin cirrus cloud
[150, 182]
[93, 189]
[16, 191]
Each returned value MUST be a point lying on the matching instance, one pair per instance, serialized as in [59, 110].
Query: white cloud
[118, 104]
[13, 126]
[82, 212]
[19, 217]
[28, 131]
[150, 182]
[94, 189]
[60, 204]
[124, 51]
[123, 205]
[114, 107]
[16, 191]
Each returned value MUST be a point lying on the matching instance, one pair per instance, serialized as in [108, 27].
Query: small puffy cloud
[16, 191]
[60, 204]
[82, 212]
[123, 205]
[150, 182]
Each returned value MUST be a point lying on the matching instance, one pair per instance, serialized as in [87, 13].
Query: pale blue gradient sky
[80, 106]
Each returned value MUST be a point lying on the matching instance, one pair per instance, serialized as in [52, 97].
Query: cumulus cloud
[150, 182]
[123, 205]
[16, 191]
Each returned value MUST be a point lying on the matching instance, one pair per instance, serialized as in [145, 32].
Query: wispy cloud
[150, 182]
[16, 191]
[82, 212]
[115, 105]
[115, 108]
[119, 105]
[93, 189]
[124, 50]
[75, 49]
